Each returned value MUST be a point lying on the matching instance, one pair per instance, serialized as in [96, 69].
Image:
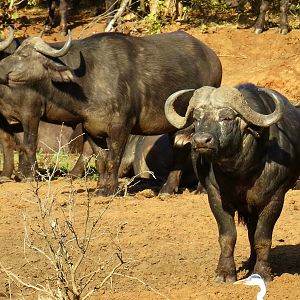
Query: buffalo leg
[8, 146]
[180, 154]
[263, 235]
[79, 139]
[226, 271]
[99, 147]
[251, 226]
[109, 8]
[50, 20]
[108, 183]
[79, 169]
[260, 22]
[63, 16]
[27, 161]
[283, 27]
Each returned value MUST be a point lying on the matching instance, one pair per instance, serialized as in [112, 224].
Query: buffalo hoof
[222, 277]
[63, 32]
[28, 179]
[75, 174]
[167, 190]
[283, 31]
[257, 30]
[297, 185]
[5, 179]
[21, 178]
[48, 27]
[104, 193]
[264, 270]
[200, 189]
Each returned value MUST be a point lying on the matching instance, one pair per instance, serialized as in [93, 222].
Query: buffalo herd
[156, 104]
[63, 83]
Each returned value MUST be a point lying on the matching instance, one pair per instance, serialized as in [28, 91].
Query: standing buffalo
[245, 145]
[9, 136]
[260, 22]
[115, 84]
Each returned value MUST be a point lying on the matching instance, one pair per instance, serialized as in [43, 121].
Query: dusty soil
[169, 244]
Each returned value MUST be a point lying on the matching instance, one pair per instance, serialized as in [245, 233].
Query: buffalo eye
[226, 115]
[226, 119]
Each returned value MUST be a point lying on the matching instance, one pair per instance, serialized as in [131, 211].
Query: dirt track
[172, 242]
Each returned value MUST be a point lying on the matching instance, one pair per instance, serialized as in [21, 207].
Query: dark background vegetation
[157, 13]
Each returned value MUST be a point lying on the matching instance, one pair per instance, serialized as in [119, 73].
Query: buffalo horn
[172, 116]
[6, 42]
[44, 48]
[241, 106]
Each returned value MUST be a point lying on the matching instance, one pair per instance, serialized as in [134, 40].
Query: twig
[14, 277]
[144, 283]
[119, 13]
[233, 56]
[107, 13]
[128, 184]
[112, 272]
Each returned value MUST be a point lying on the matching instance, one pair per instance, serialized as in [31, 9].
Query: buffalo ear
[184, 136]
[58, 72]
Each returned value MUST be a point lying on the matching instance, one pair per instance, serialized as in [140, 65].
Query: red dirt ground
[169, 243]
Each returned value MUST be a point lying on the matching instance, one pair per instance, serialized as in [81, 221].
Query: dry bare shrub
[59, 238]
[62, 233]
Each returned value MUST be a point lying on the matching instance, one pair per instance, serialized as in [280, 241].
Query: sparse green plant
[153, 23]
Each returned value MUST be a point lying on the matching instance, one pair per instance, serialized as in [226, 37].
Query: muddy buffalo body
[259, 25]
[114, 84]
[245, 145]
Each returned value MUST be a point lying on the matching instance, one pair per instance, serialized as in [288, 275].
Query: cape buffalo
[246, 149]
[8, 131]
[259, 25]
[115, 84]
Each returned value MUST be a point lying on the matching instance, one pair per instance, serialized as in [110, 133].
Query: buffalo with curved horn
[114, 83]
[9, 131]
[246, 150]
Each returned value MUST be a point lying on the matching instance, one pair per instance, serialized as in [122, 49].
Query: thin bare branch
[119, 13]
[144, 283]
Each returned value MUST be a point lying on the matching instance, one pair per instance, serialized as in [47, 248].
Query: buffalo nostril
[203, 140]
[207, 139]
